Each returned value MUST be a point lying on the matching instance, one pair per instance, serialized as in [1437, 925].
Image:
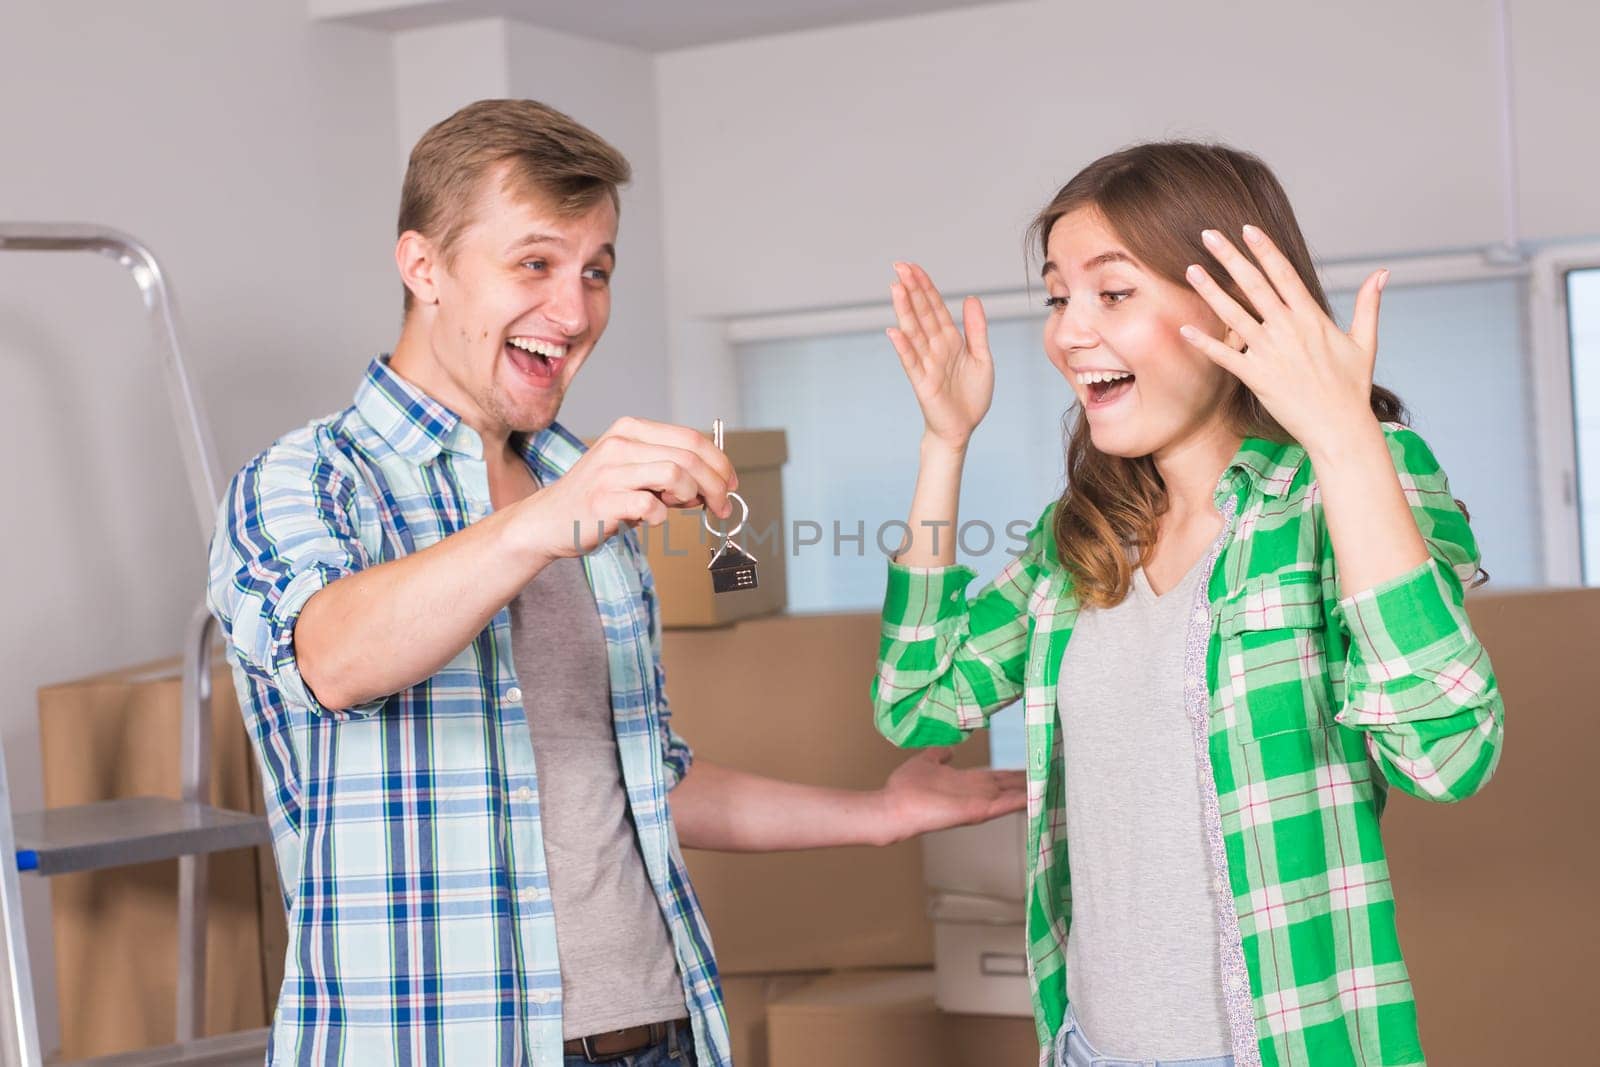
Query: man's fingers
[632, 505]
[685, 438]
[1010, 780]
[677, 471]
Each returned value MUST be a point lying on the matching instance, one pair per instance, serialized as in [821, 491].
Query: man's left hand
[925, 793]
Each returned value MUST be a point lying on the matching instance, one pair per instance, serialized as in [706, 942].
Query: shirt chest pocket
[1273, 667]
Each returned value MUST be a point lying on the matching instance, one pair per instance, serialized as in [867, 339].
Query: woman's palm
[951, 374]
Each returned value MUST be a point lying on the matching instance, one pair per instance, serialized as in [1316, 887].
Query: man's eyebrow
[534, 238]
[609, 249]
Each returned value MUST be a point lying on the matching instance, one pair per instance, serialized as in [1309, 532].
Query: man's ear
[419, 262]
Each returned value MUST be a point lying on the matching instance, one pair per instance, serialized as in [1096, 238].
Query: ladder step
[118, 833]
[247, 1048]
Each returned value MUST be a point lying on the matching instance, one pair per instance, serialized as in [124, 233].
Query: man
[446, 646]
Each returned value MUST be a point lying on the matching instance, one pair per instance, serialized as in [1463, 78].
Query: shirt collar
[413, 423]
[418, 427]
[1269, 467]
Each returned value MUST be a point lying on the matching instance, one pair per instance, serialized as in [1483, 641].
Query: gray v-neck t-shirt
[1144, 969]
[617, 964]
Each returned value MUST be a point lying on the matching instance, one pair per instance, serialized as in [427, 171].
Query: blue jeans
[1074, 1050]
[676, 1051]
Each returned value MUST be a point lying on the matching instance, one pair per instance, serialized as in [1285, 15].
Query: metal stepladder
[122, 832]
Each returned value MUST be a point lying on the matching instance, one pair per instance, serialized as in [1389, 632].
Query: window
[1583, 324]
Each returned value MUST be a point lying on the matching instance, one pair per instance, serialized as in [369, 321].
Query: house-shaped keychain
[732, 569]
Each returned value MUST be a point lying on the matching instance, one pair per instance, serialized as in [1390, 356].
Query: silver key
[731, 567]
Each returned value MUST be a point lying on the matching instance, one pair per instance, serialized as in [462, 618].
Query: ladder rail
[203, 472]
[194, 437]
[194, 870]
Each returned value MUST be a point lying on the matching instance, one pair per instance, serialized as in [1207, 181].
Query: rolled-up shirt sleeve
[287, 528]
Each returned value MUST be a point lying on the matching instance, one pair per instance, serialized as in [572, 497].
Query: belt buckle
[591, 1056]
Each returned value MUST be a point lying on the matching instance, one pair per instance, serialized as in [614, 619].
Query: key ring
[705, 515]
[705, 519]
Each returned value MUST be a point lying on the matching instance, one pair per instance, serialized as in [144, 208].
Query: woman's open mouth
[1105, 387]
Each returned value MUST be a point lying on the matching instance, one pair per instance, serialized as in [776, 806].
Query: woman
[1243, 620]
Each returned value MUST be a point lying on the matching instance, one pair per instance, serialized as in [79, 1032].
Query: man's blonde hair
[549, 157]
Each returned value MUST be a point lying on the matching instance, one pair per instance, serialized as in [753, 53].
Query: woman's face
[1113, 334]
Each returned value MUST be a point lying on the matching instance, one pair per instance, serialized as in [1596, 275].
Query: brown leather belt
[615, 1044]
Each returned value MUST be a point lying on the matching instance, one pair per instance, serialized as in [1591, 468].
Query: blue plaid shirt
[407, 830]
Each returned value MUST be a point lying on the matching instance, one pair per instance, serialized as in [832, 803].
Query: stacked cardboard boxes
[832, 942]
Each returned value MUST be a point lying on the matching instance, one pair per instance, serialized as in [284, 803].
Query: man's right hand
[634, 473]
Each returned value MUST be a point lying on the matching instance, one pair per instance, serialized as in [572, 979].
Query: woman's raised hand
[951, 373]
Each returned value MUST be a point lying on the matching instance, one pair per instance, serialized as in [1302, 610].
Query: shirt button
[541, 996]
[513, 695]
[524, 794]
[528, 895]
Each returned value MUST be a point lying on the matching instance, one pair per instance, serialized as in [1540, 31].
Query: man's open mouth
[535, 358]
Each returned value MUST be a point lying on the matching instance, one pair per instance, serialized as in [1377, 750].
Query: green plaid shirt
[1306, 707]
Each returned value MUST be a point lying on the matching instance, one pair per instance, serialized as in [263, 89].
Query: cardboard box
[1495, 895]
[872, 1018]
[117, 735]
[746, 998]
[680, 548]
[789, 696]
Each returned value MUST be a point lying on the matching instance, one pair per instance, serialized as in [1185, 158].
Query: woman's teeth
[1092, 377]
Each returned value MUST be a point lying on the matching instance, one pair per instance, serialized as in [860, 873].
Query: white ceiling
[652, 25]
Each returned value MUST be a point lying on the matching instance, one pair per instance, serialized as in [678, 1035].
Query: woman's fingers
[1291, 288]
[910, 327]
[1364, 323]
[1227, 308]
[977, 327]
[931, 291]
[922, 304]
[1254, 284]
[1236, 363]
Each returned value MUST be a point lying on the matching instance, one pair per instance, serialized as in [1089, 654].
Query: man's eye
[535, 264]
[1055, 303]
[596, 274]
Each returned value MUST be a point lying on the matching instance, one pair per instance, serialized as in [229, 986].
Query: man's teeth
[539, 348]
[1091, 377]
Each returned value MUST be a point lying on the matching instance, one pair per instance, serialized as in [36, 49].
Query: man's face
[521, 304]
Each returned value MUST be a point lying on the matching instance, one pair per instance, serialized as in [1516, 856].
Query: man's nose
[565, 309]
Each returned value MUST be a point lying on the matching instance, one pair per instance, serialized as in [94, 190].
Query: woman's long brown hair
[1157, 198]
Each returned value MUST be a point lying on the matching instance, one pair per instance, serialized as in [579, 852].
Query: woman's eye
[1055, 303]
[1116, 296]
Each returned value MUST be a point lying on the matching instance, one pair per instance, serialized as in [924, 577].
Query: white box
[980, 956]
[976, 877]
[979, 861]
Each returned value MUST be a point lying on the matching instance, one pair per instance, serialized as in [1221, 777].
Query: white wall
[254, 153]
